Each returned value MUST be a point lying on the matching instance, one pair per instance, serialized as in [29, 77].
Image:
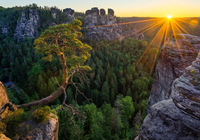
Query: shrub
[41, 115]
[12, 122]
[2, 128]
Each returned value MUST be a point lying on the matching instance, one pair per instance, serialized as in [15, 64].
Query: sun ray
[178, 26]
[147, 49]
[153, 26]
[146, 29]
[177, 43]
[122, 23]
[158, 39]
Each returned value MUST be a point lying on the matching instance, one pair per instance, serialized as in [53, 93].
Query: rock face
[27, 27]
[186, 89]
[41, 131]
[3, 28]
[172, 61]
[70, 13]
[102, 26]
[3, 97]
[177, 118]
[3, 137]
[54, 12]
[167, 122]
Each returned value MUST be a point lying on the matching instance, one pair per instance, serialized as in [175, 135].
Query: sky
[122, 8]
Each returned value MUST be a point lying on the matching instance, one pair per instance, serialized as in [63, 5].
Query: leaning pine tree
[61, 41]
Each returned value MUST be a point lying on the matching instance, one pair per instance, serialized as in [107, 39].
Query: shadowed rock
[88, 12]
[167, 122]
[186, 89]
[102, 12]
[70, 13]
[95, 11]
[111, 12]
[27, 27]
[54, 12]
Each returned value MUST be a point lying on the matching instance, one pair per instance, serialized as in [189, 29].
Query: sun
[169, 16]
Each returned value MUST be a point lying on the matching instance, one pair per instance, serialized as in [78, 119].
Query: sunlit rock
[177, 54]
[3, 98]
[102, 26]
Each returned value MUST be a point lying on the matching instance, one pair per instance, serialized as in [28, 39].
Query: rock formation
[3, 137]
[102, 26]
[70, 13]
[27, 27]
[54, 12]
[174, 57]
[186, 89]
[177, 118]
[167, 122]
[47, 130]
[3, 98]
[3, 28]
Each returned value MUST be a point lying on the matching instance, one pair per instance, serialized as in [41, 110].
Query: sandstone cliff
[29, 128]
[3, 98]
[3, 28]
[102, 26]
[47, 130]
[176, 115]
[174, 57]
[177, 118]
[68, 11]
[27, 27]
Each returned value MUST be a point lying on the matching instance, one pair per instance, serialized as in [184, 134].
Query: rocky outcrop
[70, 13]
[3, 98]
[102, 26]
[3, 28]
[177, 118]
[47, 130]
[30, 129]
[27, 27]
[54, 12]
[174, 57]
[186, 90]
[167, 122]
[3, 137]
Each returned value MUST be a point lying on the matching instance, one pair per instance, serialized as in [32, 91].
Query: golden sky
[123, 8]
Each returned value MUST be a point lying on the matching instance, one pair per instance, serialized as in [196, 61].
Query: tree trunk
[46, 100]
[57, 93]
